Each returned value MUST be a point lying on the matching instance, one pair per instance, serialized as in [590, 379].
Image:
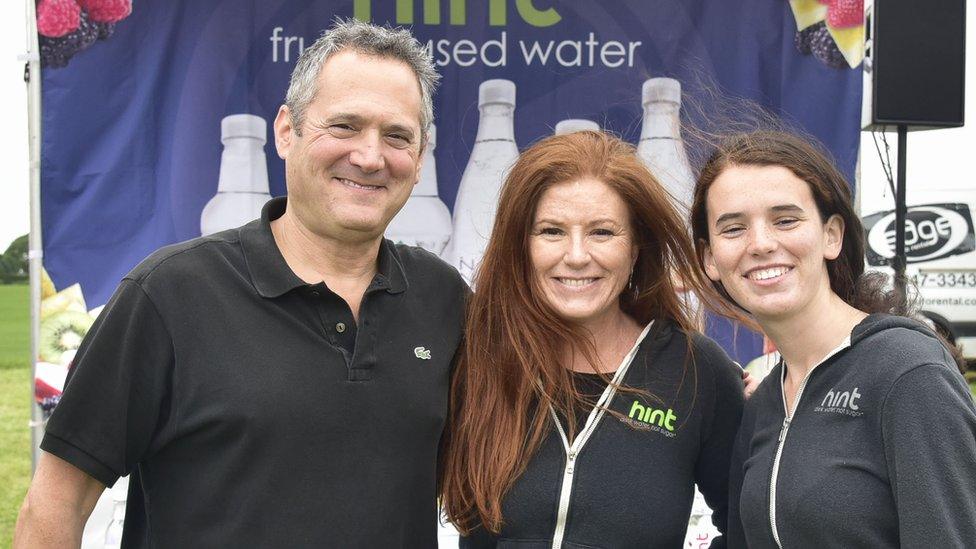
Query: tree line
[13, 262]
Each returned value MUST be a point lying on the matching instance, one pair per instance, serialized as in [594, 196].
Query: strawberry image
[842, 14]
[56, 18]
[107, 11]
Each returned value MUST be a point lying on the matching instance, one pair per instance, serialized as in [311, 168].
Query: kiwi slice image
[61, 332]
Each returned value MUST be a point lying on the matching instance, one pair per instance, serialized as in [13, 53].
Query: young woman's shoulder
[893, 345]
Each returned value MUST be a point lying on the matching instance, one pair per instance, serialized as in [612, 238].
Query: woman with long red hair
[586, 405]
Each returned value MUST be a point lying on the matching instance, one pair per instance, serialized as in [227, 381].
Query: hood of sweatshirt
[876, 324]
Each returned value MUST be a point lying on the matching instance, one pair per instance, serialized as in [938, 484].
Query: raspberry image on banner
[55, 52]
[56, 18]
[107, 11]
[842, 14]
[824, 48]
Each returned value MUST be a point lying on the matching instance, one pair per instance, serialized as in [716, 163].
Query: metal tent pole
[900, 213]
[32, 75]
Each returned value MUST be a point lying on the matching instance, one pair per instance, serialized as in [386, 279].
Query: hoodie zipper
[573, 450]
[774, 475]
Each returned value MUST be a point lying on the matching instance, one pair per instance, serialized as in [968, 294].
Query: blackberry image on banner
[803, 39]
[56, 52]
[105, 30]
[52, 54]
[824, 48]
[48, 404]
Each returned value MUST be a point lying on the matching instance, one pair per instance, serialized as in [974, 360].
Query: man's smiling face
[353, 162]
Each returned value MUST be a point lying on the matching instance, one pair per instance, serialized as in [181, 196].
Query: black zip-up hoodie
[634, 477]
[880, 451]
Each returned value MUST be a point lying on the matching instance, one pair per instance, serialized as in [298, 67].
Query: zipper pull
[570, 462]
[782, 431]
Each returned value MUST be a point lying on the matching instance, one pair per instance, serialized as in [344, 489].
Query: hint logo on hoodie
[647, 418]
[841, 402]
[932, 231]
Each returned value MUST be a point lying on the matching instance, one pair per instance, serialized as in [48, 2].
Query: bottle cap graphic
[496, 91]
[243, 125]
[657, 90]
[575, 125]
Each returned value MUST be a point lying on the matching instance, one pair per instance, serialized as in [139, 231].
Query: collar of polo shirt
[271, 275]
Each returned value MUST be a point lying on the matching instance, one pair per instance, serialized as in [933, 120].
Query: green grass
[14, 446]
[15, 397]
[14, 325]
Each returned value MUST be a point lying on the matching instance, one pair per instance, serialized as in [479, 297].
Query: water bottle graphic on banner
[575, 125]
[493, 154]
[663, 153]
[243, 185]
[424, 220]
[660, 145]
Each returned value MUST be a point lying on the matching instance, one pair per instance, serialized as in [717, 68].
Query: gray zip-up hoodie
[880, 451]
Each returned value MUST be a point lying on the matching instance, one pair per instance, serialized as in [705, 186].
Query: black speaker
[915, 64]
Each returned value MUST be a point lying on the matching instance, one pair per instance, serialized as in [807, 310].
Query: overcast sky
[934, 158]
[14, 213]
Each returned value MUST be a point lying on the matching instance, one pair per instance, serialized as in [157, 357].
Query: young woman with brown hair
[864, 435]
[586, 405]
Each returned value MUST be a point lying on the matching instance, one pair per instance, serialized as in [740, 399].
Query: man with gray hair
[283, 384]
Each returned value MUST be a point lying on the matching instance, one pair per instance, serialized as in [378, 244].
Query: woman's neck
[805, 339]
[612, 338]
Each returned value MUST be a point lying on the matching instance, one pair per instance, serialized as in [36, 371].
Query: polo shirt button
[315, 293]
[340, 327]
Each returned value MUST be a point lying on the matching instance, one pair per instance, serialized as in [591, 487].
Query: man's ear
[420, 163]
[833, 237]
[284, 132]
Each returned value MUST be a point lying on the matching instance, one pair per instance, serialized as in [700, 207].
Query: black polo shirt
[250, 408]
